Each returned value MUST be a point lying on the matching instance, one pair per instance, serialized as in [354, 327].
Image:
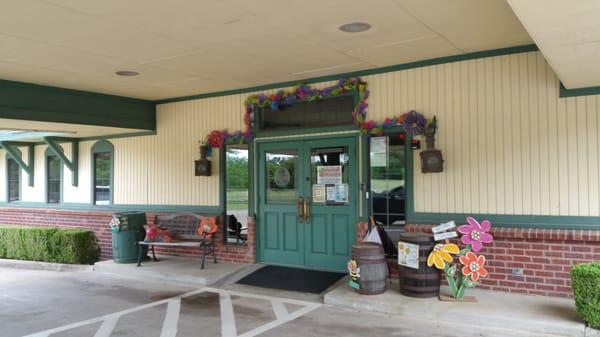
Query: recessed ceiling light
[355, 27]
[127, 73]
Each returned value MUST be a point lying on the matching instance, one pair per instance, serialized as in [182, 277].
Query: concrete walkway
[173, 269]
[534, 314]
[82, 304]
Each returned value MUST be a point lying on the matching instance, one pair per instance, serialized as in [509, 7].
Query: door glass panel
[282, 167]
[388, 167]
[329, 176]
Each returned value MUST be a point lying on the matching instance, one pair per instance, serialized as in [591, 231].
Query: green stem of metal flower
[451, 281]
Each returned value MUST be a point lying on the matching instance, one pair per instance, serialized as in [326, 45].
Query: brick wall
[97, 221]
[546, 256]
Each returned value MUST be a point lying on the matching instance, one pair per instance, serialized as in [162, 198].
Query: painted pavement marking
[107, 326]
[169, 327]
[228, 328]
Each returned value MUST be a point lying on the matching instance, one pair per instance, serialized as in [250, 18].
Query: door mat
[292, 279]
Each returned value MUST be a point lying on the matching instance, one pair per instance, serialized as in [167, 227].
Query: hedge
[75, 246]
[586, 289]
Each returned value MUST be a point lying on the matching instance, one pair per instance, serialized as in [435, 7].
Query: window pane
[330, 162]
[102, 164]
[236, 176]
[281, 176]
[54, 179]
[327, 112]
[388, 190]
[13, 180]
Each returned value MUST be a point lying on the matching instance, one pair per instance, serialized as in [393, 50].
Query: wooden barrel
[370, 258]
[425, 281]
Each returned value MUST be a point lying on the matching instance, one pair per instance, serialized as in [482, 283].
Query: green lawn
[237, 200]
[380, 185]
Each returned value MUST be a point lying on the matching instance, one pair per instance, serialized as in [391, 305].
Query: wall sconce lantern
[431, 158]
[203, 165]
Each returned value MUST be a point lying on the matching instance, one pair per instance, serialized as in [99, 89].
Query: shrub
[586, 289]
[75, 246]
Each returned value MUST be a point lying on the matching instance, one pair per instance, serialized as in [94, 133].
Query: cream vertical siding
[3, 190]
[510, 144]
[82, 192]
[37, 192]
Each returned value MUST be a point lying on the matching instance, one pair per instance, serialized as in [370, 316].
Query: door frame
[361, 167]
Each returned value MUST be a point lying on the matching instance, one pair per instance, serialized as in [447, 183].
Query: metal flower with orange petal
[473, 266]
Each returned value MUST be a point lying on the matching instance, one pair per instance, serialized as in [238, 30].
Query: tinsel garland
[278, 101]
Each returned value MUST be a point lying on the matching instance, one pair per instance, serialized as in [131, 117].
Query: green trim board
[373, 71]
[516, 221]
[26, 101]
[213, 210]
[119, 135]
[498, 220]
[73, 163]
[12, 150]
[102, 146]
[564, 92]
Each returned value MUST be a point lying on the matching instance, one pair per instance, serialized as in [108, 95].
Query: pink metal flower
[476, 234]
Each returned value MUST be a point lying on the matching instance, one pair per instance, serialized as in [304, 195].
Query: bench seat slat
[173, 243]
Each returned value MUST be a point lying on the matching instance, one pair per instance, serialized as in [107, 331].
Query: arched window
[54, 177]
[13, 180]
[102, 173]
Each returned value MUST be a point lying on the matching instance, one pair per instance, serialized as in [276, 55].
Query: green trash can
[127, 229]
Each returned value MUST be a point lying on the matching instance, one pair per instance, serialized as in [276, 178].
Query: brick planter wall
[546, 256]
[97, 221]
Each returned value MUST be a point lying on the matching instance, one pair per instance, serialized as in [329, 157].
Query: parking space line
[278, 322]
[105, 317]
[228, 327]
[169, 328]
[107, 326]
[279, 309]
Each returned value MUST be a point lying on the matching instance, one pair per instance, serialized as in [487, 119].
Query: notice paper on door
[341, 193]
[318, 194]
[379, 151]
[329, 175]
[337, 194]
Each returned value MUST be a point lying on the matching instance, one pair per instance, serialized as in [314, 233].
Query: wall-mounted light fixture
[431, 158]
[203, 165]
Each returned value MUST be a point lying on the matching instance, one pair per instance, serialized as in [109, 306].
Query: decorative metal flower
[414, 123]
[473, 266]
[476, 234]
[216, 138]
[441, 254]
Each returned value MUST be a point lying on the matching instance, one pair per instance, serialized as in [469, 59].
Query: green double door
[308, 202]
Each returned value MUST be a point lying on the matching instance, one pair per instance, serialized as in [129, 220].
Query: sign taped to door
[318, 194]
[329, 175]
[336, 194]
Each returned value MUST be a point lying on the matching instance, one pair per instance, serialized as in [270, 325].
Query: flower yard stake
[474, 235]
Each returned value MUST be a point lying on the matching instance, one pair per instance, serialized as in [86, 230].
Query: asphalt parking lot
[80, 304]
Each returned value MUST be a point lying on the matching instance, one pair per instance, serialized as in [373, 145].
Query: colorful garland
[413, 122]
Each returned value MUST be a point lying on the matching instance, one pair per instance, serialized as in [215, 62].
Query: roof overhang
[37, 103]
[568, 34]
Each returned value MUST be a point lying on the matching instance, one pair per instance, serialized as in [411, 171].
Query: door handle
[306, 211]
[300, 211]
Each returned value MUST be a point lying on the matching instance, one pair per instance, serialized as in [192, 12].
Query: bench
[184, 231]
